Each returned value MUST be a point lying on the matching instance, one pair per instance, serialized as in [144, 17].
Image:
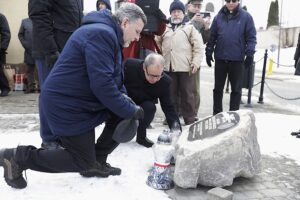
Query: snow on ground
[273, 136]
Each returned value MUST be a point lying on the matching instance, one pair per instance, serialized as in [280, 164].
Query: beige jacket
[181, 48]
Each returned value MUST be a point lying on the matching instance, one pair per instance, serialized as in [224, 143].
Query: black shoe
[145, 142]
[101, 170]
[51, 145]
[114, 171]
[28, 91]
[12, 171]
[298, 136]
[4, 92]
[295, 133]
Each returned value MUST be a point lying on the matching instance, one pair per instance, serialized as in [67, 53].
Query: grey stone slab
[219, 194]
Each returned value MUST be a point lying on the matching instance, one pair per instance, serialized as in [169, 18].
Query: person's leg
[104, 146]
[78, 155]
[30, 78]
[4, 86]
[43, 71]
[187, 98]
[235, 75]
[149, 112]
[220, 78]
[197, 93]
[49, 140]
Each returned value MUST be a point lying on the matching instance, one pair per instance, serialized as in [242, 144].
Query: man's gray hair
[153, 59]
[131, 11]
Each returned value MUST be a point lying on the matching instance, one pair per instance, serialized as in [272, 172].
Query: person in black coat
[53, 22]
[296, 57]
[102, 4]
[4, 42]
[25, 37]
[146, 82]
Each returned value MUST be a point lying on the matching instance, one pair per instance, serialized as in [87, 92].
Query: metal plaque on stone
[212, 126]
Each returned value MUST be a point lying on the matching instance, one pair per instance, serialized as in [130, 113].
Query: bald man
[146, 83]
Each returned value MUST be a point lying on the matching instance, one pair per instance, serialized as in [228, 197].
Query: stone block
[219, 194]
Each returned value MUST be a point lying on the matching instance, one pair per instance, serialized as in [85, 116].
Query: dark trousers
[80, 152]
[3, 80]
[149, 112]
[30, 77]
[235, 72]
[182, 91]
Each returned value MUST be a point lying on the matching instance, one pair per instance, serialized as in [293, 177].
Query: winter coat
[181, 47]
[86, 83]
[140, 90]
[232, 36]
[297, 52]
[106, 2]
[53, 23]
[4, 33]
[25, 37]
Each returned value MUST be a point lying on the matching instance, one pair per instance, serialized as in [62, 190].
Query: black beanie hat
[177, 5]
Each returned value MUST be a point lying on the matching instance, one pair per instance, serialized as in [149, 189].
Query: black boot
[101, 170]
[12, 171]
[145, 142]
[295, 133]
[298, 136]
[114, 171]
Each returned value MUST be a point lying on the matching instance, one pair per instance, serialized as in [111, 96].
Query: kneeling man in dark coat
[146, 82]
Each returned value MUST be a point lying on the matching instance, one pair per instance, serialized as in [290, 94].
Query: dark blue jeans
[45, 132]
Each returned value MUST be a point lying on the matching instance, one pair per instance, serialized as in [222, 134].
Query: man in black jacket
[4, 42]
[53, 23]
[146, 83]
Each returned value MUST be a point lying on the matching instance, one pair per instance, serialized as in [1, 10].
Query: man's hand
[248, 61]
[194, 69]
[50, 59]
[139, 113]
[209, 59]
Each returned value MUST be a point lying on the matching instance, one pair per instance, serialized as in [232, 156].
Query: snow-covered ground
[273, 136]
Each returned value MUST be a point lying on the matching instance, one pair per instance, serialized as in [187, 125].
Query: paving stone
[253, 195]
[219, 194]
[273, 193]
[270, 185]
[255, 186]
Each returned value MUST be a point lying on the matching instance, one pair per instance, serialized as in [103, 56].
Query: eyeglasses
[153, 75]
[233, 1]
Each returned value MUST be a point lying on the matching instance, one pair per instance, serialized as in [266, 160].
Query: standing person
[146, 44]
[4, 42]
[53, 23]
[181, 46]
[25, 37]
[103, 4]
[297, 56]
[232, 40]
[146, 83]
[83, 90]
[202, 24]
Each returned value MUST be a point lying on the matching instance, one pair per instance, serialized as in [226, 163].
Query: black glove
[50, 59]
[139, 113]
[248, 61]
[209, 59]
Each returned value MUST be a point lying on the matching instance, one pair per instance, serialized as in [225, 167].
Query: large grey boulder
[215, 150]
